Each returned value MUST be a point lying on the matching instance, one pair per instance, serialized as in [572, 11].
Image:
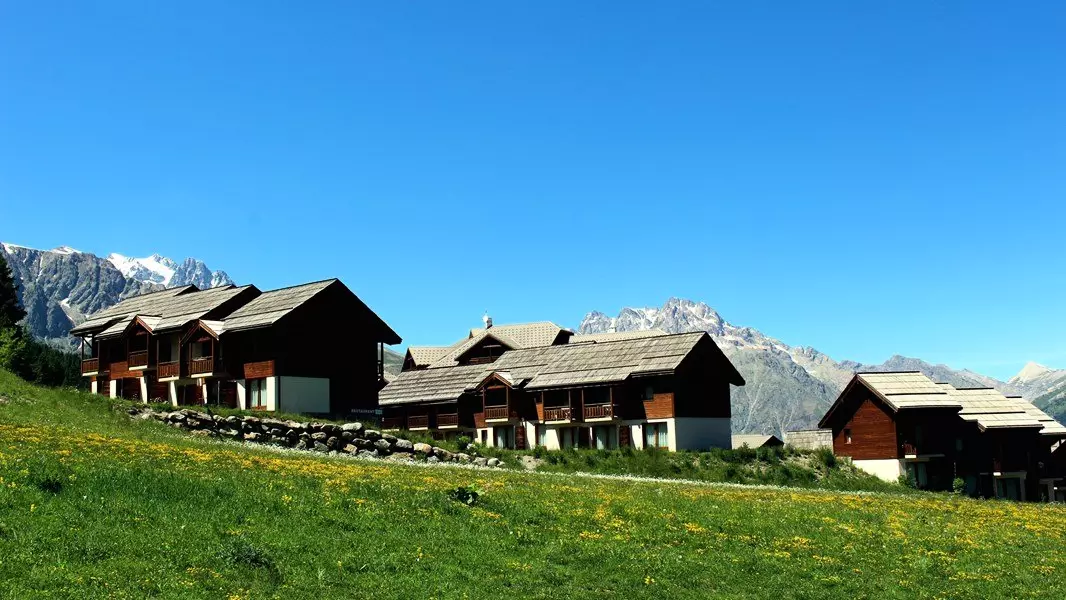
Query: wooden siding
[661, 406]
[873, 433]
[259, 370]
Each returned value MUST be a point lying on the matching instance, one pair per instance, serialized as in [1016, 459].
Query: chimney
[487, 320]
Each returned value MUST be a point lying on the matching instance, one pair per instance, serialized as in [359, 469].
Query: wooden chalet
[313, 348]
[518, 386]
[905, 424]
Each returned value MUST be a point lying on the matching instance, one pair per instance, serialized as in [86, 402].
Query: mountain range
[59, 287]
[790, 387]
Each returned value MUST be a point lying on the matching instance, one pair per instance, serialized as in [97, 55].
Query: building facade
[905, 424]
[313, 348]
[520, 386]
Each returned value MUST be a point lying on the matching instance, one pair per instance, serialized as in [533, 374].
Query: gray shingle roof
[431, 385]
[427, 355]
[527, 335]
[548, 366]
[908, 390]
[161, 311]
[613, 336]
[270, 306]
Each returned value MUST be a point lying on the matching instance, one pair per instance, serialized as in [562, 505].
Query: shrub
[958, 485]
[826, 457]
[463, 442]
[468, 495]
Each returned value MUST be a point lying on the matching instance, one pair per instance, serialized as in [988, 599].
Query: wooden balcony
[167, 370]
[392, 423]
[418, 422]
[599, 411]
[558, 413]
[205, 365]
[137, 359]
[90, 366]
[499, 413]
[449, 420]
[909, 449]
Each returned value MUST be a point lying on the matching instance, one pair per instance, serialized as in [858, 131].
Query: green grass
[93, 505]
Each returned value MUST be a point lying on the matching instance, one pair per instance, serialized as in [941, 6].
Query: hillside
[791, 387]
[96, 505]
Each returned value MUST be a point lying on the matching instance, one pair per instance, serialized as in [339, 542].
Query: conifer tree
[11, 311]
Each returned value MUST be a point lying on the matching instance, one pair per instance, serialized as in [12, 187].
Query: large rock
[423, 449]
[352, 427]
[350, 449]
[333, 443]
[382, 446]
[253, 437]
[443, 454]
[493, 462]
[319, 436]
[463, 458]
[372, 435]
[481, 461]
[388, 437]
[320, 447]
[404, 446]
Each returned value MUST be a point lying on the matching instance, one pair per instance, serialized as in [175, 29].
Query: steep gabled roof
[161, 311]
[614, 336]
[514, 337]
[423, 356]
[908, 390]
[272, 305]
[431, 385]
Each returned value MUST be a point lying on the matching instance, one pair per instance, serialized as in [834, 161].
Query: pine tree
[11, 311]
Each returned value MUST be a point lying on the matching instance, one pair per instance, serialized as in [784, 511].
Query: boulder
[382, 446]
[275, 432]
[333, 443]
[302, 445]
[463, 458]
[367, 454]
[320, 447]
[175, 417]
[372, 435]
[231, 420]
[352, 427]
[493, 462]
[252, 421]
[331, 430]
[193, 423]
[443, 454]
[388, 437]
[363, 444]
[424, 449]
[319, 436]
[350, 449]
[404, 446]
[481, 461]
[253, 437]
[347, 436]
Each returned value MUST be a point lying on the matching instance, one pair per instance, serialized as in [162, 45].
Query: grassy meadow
[94, 505]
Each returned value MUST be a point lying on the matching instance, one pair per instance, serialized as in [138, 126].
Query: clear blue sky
[867, 180]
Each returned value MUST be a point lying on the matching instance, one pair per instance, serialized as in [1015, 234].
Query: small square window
[847, 436]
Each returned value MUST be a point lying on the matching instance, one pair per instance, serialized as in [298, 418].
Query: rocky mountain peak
[1029, 372]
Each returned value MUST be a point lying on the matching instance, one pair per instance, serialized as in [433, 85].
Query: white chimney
[487, 320]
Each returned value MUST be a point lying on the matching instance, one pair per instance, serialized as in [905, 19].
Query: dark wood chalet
[517, 386]
[905, 425]
[313, 348]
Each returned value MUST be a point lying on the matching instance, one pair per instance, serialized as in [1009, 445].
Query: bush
[958, 485]
[468, 495]
[826, 457]
[463, 442]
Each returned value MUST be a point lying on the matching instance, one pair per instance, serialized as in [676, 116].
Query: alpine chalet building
[312, 348]
[537, 384]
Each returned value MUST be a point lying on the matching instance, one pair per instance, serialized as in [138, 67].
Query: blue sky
[867, 180]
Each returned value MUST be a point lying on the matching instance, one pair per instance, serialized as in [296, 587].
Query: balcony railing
[168, 369]
[418, 422]
[497, 412]
[392, 423]
[90, 365]
[599, 411]
[451, 420]
[203, 365]
[558, 413]
[137, 358]
[910, 449]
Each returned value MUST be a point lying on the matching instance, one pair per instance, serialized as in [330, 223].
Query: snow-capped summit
[1029, 372]
[65, 250]
[153, 269]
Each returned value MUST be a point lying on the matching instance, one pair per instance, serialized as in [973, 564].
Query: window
[542, 434]
[847, 436]
[257, 393]
[656, 435]
[503, 437]
[567, 437]
[606, 437]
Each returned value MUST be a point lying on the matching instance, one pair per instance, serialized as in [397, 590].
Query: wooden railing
[599, 411]
[418, 422]
[205, 364]
[496, 412]
[910, 449]
[137, 358]
[90, 365]
[392, 423]
[558, 413]
[451, 420]
[168, 369]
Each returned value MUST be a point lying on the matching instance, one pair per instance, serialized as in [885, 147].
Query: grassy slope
[92, 505]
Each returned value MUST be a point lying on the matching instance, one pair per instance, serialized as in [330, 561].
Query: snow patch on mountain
[154, 269]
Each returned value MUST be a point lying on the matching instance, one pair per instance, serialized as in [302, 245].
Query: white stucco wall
[888, 469]
[94, 387]
[299, 394]
[144, 389]
[112, 388]
[242, 395]
[172, 392]
[700, 433]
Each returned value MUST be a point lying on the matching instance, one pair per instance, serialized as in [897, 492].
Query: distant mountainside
[60, 287]
[790, 387]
